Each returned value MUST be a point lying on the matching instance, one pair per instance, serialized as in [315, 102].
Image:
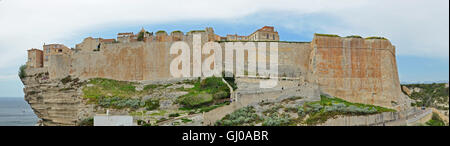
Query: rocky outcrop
[406, 90]
[55, 102]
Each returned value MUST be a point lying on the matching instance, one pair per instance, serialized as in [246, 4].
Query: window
[48, 50]
[46, 58]
[273, 36]
[267, 36]
[59, 50]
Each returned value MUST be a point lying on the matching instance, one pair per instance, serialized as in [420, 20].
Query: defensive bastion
[356, 69]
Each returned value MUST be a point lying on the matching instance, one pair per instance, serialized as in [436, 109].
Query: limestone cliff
[53, 101]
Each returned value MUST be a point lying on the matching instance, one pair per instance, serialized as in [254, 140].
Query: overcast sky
[418, 28]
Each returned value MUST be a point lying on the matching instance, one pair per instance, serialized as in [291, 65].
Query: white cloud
[416, 27]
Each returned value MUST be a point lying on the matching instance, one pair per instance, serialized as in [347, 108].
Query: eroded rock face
[53, 101]
[406, 90]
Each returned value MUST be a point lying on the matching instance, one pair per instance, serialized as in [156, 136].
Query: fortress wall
[138, 61]
[356, 69]
[121, 62]
[59, 66]
[293, 59]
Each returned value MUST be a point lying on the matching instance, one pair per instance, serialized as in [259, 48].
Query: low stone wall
[371, 120]
[421, 118]
[245, 98]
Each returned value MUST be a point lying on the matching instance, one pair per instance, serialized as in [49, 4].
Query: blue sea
[15, 111]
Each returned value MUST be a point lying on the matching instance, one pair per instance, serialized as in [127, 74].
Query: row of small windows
[48, 50]
[268, 36]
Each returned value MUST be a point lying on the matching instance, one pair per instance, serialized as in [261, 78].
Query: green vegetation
[205, 92]
[430, 95]
[151, 104]
[119, 103]
[326, 108]
[186, 120]
[277, 120]
[117, 94]
[194, 31]
[174, 115]
[161, 120]
[161, 31]
[141, 36]
[176, 31]
[435, 121]
[143, 123]
[22, 73]
[376, 37]
[209, 108]
[230, 80]
[353, 36]
[243, 116]
[87, 122]
[327, 35]
[69, 79]
[151, 87]
[109, 88]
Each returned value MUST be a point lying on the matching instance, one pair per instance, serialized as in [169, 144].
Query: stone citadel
[357, 69]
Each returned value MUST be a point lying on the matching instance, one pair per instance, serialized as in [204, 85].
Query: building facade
[35, 58]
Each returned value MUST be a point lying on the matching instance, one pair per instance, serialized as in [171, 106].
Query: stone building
[54, 49]
[125, 37]
[35, 58]
[236, 37]
[267, 33]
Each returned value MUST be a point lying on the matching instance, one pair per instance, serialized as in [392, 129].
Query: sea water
[15, 111]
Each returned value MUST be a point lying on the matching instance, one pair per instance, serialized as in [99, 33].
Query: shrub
[151, 86]
[276, 120]
[185, 120]
[87, 122]
[435, 121]
[328, 35]
[161, 31]
[151, 104]
[376, 37]
[176, 31]
[353, 36]
[205, 92]
[22, 73]
[66, 80]
[146, 124]
[221, 95]
[109, 88]
[230, 80]
[242, 116]
[119, 103]
[196, 100]
[174, 115]
[141, 36]
[320, 111]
